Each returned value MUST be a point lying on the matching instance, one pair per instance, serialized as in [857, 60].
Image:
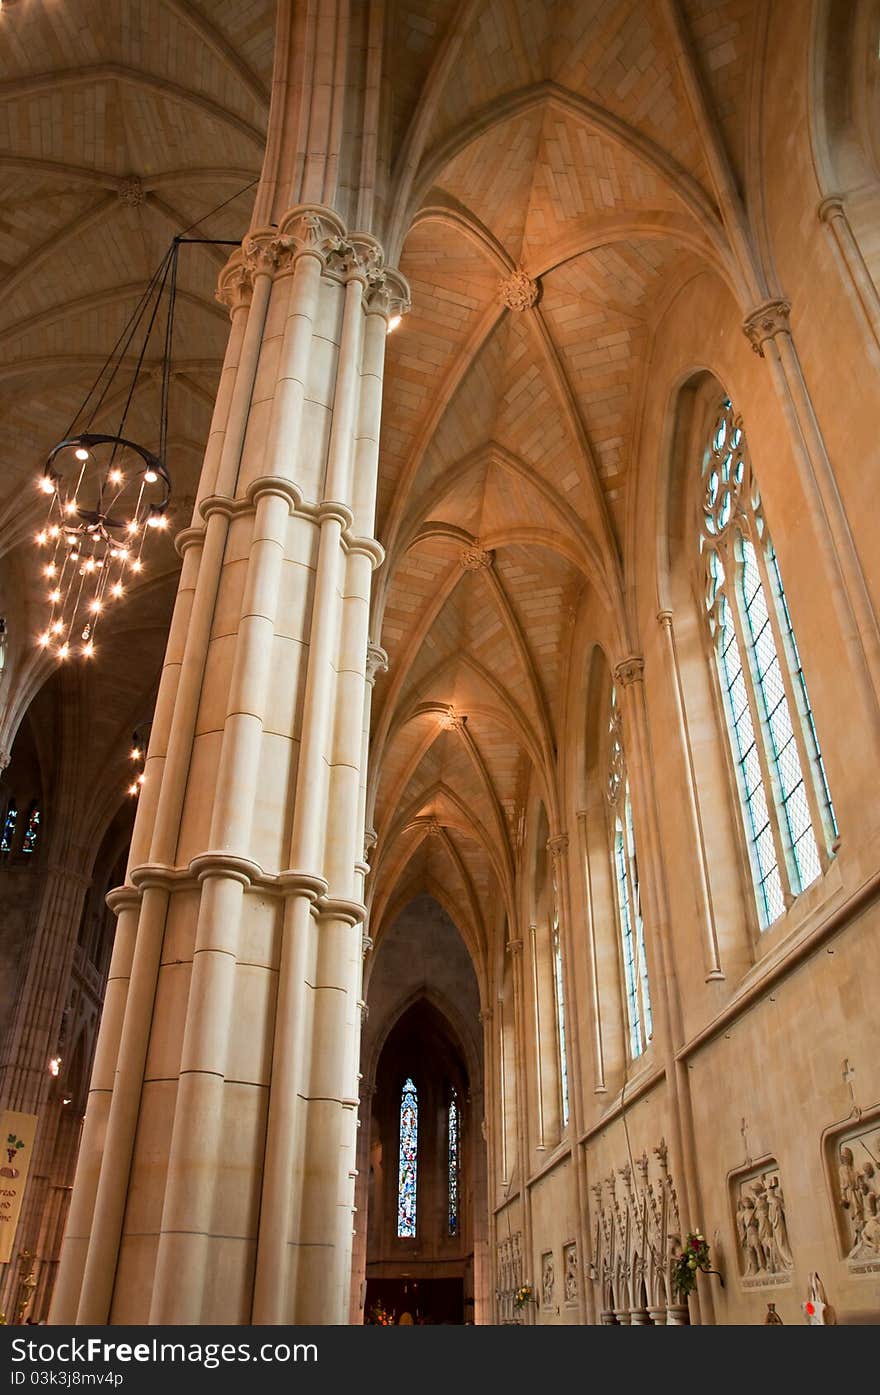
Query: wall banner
[16, 1146]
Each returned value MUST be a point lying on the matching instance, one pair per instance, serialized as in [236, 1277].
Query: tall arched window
[407, 1175]
[8, 836]
[626, 879]
[786, 804]
[32, 830]
[454, 1137]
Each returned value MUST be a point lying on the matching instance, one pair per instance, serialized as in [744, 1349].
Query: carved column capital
[665, 617]
[452, 720]
[518, 291]
[434, 828]
[235, 284]
[514, 948]
[630, 670]
[377, 662]
[366, 945]
[767, 320]
[476, 558]
[484, 1016]
[557, 846]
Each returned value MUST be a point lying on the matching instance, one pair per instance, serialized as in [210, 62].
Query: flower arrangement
[693, 1257]
[523, 1296]
[380, 1316]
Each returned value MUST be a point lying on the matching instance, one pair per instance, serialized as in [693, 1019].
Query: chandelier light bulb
[50, 569]
[54, 531]
[115, 476]
[55, 1065]
[81, 453]
[88, 650]
[132, 525]
[46, 485]
[95, 607]
[44, 640]
[137, 565]
[135, 753]
[64, 651]
[116, 589]
[55, 596]
[42, 538]
[70, 507]
[133, 789]
[141, 778]
[57, 626]
[90, 564]
[150, 476]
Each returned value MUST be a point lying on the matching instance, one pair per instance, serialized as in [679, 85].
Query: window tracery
[407, 1177]
[637, 991]
[786, 804]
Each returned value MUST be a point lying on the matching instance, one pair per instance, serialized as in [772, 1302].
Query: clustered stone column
[240, 922]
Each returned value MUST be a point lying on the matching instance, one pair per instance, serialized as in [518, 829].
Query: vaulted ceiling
[579, 143]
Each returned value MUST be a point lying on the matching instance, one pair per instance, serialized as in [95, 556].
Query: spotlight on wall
[55, 1066]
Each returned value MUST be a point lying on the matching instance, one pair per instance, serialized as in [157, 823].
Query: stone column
[832, 212]
[558, 848]
[238, 1036]
[668, 1032]
[768, 329]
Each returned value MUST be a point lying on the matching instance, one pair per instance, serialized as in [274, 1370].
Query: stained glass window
[9, 827]
[409, 1160]
[626, 878]
[786, 804]
[454, 1161]
[32, 830]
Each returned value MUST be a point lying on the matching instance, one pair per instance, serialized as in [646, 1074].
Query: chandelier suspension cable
[106, 491]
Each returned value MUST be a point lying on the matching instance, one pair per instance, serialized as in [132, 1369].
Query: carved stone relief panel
[570, 1275]
[509, 1277]
[636, 1238]
[760, 1225]
[548, 1279]
[853, 1163]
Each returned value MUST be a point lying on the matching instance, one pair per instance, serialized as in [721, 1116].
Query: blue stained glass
[409, 1160]
[31, 832]
[9, 827]
[454, 1162]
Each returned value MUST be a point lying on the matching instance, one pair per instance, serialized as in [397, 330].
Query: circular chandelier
[106, 492]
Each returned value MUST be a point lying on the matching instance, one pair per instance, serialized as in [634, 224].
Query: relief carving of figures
[761, 1226]
[859, 1196]
[570, 1274]
[548, 1280]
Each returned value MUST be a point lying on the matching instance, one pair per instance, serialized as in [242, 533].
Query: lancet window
[640, 1024]
[407, 1183]
[454, 1139]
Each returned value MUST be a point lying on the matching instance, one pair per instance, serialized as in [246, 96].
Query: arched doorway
[424, 1158]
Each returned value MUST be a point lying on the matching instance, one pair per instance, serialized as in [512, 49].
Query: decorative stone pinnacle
[518, 291]
[766, 320]
[630, 670]
[131, 192]
[476, 558]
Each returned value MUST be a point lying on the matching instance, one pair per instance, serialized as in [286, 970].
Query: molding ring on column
[187, 538]
[332, 508]
[223, 864]
[157, 874]
[123, 898]
[273, 484]
[218, 503]
[353, 912]
[306, 883]
[367, 547]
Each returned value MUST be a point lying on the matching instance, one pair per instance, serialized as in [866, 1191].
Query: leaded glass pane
[560, 1020]
[9, 827]
[31, 832]
[409, 1160]
[626, 932]
[454, 1162]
